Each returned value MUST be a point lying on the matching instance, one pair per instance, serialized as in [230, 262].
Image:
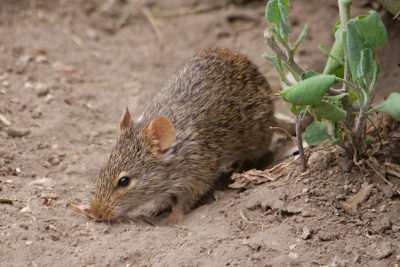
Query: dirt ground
[67, 71]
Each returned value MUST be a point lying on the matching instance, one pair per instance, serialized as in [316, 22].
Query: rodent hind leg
[182, 204]
[175, 216]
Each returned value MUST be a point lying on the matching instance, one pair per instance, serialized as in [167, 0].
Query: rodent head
[134, 172]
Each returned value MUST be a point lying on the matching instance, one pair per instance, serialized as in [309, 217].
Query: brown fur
[220, 107]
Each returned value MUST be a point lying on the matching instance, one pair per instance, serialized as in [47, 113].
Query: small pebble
[41, 59]
[36, 114]
[306, 233]
[92, 34]
[6, 84]
[54, 237]
[327, 236]
[315, 156]
[396, 228]
[14, 132]
[382, 208]
[42, 89]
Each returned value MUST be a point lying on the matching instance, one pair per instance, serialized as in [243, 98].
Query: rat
[213, 112]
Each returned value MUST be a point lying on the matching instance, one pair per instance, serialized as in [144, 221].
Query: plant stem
[293, 66]
[344, 13]
[362, 117]
[272, 43]
[333, 91]
[300, 140]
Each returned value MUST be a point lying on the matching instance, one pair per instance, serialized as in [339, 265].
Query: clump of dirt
[68, 69]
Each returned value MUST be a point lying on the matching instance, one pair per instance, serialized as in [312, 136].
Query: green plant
[352, 61]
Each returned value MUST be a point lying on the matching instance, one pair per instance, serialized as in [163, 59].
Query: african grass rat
[214, 111]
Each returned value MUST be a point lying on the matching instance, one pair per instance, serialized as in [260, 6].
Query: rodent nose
[102, 211]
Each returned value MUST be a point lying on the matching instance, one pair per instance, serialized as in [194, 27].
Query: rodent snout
[103, 211]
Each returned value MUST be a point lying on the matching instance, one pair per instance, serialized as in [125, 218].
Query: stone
[17, 132]
[381, 250]
[306, 233]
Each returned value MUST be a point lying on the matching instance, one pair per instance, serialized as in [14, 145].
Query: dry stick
[381, 176]
[283, 130]
[153, 25]
[176, 12]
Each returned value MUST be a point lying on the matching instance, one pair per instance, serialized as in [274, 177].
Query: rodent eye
[124, 181]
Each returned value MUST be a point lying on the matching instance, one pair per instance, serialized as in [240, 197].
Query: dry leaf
[82, 210]
[257, 176]
[393, 169]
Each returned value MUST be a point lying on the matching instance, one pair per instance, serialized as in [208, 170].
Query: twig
[4, 120]
[381, 176]
[153, 25]
[283, 130]
[176, 12]
[350, 206]
[392, 165]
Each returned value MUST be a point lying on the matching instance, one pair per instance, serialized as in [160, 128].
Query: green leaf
[309, 91]
[335, 61]
[366, 67]
[300, 39]
[363, 32]
[293, 109]
[390, 106]
[309, 74]
[339, 72]
[278, 66]
[336, 99]
[316, 132]
[277, 13]
[352, 97]
[371, 29]
[368, 141]
[354, 45]
[329, 111]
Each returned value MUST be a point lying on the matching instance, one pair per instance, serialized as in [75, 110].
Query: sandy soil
[67, 71]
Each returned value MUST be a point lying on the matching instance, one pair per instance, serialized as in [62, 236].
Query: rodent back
[218, 99]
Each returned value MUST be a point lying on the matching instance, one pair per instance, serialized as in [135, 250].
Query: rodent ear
[163, 130]
[126, 120]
